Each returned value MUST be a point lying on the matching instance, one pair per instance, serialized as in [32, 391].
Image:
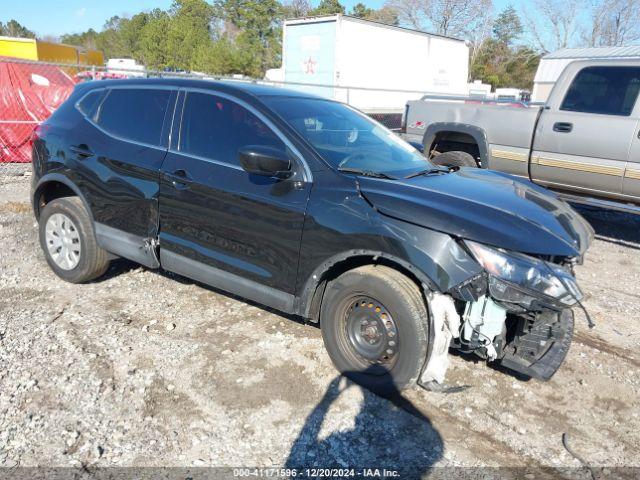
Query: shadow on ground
[118, 267]
[612, 226]
[388, 433]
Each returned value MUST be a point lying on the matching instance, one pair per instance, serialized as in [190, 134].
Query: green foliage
[296, 8]
[188, 31]
[255, 25]
[212, 36]
[223, 37]
[14, 29]
[501, 63]
[504, 66]
[86, 39]
[112, 39]
[153, 43]
[507, 26]
[328, 7]
[386, 15]
[360, 10]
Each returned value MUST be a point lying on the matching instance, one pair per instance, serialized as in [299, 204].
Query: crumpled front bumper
[537, 343]
[524, 354]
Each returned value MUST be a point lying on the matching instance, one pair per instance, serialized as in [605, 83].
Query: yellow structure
[31, 49]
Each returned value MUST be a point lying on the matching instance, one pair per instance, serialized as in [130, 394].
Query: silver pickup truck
[583, 143]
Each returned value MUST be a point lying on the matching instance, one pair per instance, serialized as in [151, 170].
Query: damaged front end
[516, 313]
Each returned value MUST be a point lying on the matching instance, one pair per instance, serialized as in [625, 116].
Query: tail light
[36, 135]
[38, 132]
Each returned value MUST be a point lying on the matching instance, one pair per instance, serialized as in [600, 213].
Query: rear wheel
[69, 243]
[375, 328]
[454, 159]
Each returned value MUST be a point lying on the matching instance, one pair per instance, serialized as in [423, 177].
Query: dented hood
[488, 207]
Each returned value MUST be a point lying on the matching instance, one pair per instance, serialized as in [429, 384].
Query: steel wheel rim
[63, 241]
[371, 333]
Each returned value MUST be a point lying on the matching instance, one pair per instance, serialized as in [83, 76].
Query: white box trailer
[345, 53]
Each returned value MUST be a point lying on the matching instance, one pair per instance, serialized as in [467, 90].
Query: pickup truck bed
[510, 141]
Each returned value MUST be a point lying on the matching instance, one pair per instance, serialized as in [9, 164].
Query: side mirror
[265, 161]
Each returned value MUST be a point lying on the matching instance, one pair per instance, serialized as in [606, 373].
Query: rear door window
[134, 114]
[88, 104]
[216, 128]
[604, 90]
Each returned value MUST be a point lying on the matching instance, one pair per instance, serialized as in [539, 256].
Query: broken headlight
[521, 279]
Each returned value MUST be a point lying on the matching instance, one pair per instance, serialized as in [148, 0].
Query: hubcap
[372, 332]
[63, 241]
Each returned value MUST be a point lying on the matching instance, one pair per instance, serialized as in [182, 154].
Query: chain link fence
[31, 91]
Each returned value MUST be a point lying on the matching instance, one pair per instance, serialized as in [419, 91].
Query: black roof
[229, 86]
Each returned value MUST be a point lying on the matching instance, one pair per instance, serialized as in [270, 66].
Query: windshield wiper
[367, 173]
[431, 171]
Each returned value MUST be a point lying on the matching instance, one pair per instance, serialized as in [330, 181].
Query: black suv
[307, 206]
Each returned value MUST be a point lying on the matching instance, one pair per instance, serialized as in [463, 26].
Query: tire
[454, 159]
[391, 296]
[90, 261]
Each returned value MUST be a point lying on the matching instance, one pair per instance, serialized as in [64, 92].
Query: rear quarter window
[603, 90]
[134, 114]
[88, 104]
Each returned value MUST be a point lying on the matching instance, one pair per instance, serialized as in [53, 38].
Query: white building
[552, 65]
[357, 59]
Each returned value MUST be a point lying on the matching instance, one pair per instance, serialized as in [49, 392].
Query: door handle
[81, 150]
[563, 127]
[180, 179]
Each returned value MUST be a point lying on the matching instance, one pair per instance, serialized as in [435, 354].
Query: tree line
[224, 37]
[244, 36]
[13, 29]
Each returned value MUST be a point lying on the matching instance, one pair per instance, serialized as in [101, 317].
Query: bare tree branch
[479, 37]
[297, 8]
[410, 12]
[457, 18]
[553, 24]
[613, 23]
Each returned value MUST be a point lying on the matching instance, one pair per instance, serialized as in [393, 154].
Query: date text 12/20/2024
[316, 472]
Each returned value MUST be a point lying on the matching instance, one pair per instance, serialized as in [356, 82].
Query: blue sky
[46, 17]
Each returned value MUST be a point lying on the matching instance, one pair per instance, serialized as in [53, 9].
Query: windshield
[347, 139]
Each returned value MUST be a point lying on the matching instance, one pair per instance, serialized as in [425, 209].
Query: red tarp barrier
[29, 93]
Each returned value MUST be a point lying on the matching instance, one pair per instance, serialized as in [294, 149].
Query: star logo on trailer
[310, 66]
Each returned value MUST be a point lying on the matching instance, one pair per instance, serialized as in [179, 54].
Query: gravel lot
[149, 369]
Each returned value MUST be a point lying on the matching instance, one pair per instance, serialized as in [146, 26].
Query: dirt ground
[149, 369]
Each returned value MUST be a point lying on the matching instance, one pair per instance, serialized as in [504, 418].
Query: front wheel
[375, 328]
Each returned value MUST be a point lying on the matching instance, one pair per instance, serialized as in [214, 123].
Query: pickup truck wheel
[455, 159]
[69, 243]
[374, 324]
